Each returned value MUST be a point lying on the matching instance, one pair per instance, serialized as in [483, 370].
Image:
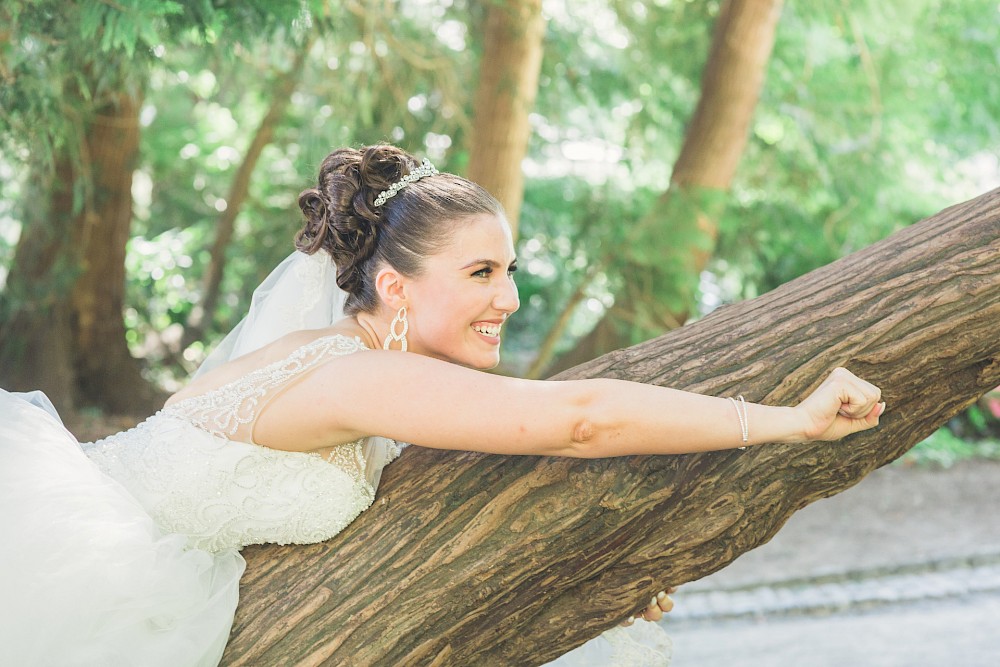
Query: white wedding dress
[125, 551]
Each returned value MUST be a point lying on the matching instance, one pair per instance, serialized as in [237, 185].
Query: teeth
[488, 329]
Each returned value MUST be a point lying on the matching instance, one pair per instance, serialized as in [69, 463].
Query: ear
[391, 287]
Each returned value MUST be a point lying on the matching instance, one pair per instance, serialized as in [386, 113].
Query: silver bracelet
[741, 414]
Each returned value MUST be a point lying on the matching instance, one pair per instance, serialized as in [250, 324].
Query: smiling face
[456, 307]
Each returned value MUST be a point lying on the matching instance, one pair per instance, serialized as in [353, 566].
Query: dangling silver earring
[401, 336]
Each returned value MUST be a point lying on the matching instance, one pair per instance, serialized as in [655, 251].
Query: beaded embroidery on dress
[189, 470]
[224, 410]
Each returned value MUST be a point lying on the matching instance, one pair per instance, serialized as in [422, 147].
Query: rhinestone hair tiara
[423, 171]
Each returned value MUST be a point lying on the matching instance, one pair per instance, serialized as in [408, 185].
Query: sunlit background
[873, 115]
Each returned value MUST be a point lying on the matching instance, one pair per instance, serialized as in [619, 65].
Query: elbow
[582, 442]
[584, 431]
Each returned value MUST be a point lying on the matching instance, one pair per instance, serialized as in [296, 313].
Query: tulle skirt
[86, 578]
[641, 644]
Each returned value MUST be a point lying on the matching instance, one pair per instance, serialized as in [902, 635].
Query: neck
[375, 329]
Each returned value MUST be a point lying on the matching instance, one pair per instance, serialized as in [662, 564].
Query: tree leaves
[125, 24]
[872, 114]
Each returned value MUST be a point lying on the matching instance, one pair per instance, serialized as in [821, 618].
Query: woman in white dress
[125, 551]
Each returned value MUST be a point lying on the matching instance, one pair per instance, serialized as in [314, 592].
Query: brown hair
[417, 222]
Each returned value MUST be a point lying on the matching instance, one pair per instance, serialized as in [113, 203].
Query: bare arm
[437, 404]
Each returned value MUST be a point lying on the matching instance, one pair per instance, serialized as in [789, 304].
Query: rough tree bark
[683, 224]
[466, 556]
[508, 85]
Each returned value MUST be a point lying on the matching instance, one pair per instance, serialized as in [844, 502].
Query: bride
[125, 551]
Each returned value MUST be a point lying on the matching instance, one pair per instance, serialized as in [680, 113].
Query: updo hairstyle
[416, 223]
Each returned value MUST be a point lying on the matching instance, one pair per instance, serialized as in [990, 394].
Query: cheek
[443, 323]
[448, 317]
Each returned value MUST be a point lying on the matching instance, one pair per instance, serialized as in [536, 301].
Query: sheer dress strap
[232, 410]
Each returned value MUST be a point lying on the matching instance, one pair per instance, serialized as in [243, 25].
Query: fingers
[871, 419]
[659, 604]
[841, 405]
[857, 397]
[860, 401]
[652, 612]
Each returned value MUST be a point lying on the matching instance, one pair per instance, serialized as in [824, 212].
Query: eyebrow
[492, 263]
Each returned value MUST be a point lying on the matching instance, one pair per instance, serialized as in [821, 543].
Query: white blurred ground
[902, 570]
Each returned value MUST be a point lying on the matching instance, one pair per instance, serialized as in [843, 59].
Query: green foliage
[125, 24]
[369, 78]
[863, 127]
[873, 115]
[566, 243]
[59, 60]
[944, 449]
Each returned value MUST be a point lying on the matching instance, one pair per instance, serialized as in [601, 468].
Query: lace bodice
[195, 469]
[231, 410]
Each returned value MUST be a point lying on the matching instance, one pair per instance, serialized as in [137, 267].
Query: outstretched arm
[437, 404]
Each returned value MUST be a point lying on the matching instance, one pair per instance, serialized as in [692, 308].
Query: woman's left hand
[657, 606]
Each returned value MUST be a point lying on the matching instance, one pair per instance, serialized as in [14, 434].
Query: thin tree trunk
[690, 209]
[479, 559]
[734, 76]
[281, 95]
[505, 96]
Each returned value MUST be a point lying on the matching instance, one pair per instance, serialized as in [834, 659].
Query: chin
[489, 365]
[469, 353]
[479, 362]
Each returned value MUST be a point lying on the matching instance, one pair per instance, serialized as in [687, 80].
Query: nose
[506, 298]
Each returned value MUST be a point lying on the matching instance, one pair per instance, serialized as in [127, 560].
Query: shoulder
[294, 344]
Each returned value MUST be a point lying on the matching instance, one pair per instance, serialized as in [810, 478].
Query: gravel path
[959, 632]
[851, 592]
[901, 570]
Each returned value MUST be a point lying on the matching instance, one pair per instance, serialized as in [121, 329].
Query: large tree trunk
[63, 328]
[106, 373]
[477, 559]
[505, 96]
[682, 228]
[36, 340]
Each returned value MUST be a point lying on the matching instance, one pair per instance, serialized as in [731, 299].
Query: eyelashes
[486, 271]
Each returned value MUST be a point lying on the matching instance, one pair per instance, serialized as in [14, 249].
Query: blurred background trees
[151, 154]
